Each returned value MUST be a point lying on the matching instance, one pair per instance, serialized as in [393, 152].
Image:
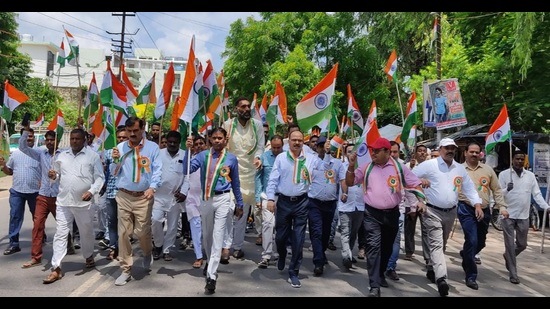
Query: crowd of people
[148, 189]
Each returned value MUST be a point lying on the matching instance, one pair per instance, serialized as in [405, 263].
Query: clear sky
[170, 32]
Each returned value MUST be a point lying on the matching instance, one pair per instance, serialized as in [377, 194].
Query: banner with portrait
[442, 105]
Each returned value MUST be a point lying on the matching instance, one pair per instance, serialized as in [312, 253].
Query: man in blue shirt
[219, 175]
[327, 175]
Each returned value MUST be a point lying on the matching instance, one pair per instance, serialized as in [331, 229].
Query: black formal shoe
[384, 283]
[318, 270]
[442, 287]
[99, 235]
[281, 263]
[210, 287]
[374, 292]
[472, 284]
[11, 250]
[430, 275]
[331, 246]
[205, 269]
[347, 263]
[156, 253]
[512, 279]
[390, 273]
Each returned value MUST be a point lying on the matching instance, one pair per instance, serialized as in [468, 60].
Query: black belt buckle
[221, 192]
[294, 198]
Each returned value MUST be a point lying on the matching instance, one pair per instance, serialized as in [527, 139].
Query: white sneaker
[123, 279]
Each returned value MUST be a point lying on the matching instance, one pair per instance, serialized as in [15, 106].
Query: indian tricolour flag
[148, 93]
[391, 65]
[166, 93]
[409, 127]
[354, 113]
[315, 108]
[262, 109]
[61, 59]
[72, 58]
[499, 131]
[113, 92]
[91, 102]
[12, 99]
[336, 142]
[189, 103]
[39, 121]
[58, 124]
[369, 136]
[276, 112]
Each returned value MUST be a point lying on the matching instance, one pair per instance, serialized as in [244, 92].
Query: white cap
[447, 142]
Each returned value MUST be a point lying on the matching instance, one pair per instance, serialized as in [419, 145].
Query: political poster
[442, 105]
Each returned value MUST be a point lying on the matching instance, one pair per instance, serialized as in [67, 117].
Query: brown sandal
[53, 276]
[32, 263]
[198, 263]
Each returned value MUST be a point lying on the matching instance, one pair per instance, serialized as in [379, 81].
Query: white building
[146, 62]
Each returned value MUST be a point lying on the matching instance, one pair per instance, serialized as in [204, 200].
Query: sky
[170, 32]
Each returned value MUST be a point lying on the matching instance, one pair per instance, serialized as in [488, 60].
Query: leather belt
[292, 198]
[221, 192]
[439, 208]
[383, 210]
[132, 193]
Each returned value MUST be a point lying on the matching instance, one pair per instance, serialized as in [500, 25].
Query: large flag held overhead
[61, 59]
[58, 124]
[211, 94]
[12, 99]
[113, 92]
[189, 99]
[391, 65]
[370, 135]
[74, 53]
[166, 93]
[315, 108]
[499, 131]
[354, 113]
[409, 127]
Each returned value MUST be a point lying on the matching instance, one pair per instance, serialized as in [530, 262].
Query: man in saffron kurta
[246, 140]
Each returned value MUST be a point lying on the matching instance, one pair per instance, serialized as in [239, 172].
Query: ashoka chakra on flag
[321, 101]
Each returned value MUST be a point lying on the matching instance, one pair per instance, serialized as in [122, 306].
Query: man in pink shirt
[383, 180]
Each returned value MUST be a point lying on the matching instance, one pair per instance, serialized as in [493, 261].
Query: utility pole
[122, 46]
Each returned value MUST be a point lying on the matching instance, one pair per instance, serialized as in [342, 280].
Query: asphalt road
[242, 278]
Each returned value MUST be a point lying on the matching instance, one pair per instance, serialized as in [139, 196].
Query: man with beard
[245, 139]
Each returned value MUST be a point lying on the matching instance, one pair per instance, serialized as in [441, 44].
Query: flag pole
[399, 98]
[511, 170]
[78, 76]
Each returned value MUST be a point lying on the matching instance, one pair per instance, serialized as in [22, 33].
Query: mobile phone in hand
[26, 119]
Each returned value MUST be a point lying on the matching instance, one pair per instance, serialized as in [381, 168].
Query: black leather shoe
[430, 275]
[156, 253]
[318, 270]
[442, 287]
[11, 250]
[472, 284]
[347, 263]
[374, 292]
[384, 283]
[210, 287]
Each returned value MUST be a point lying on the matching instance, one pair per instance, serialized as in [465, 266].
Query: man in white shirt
[518, 185]
[442, 196]
[80, 174]
[165, 206]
